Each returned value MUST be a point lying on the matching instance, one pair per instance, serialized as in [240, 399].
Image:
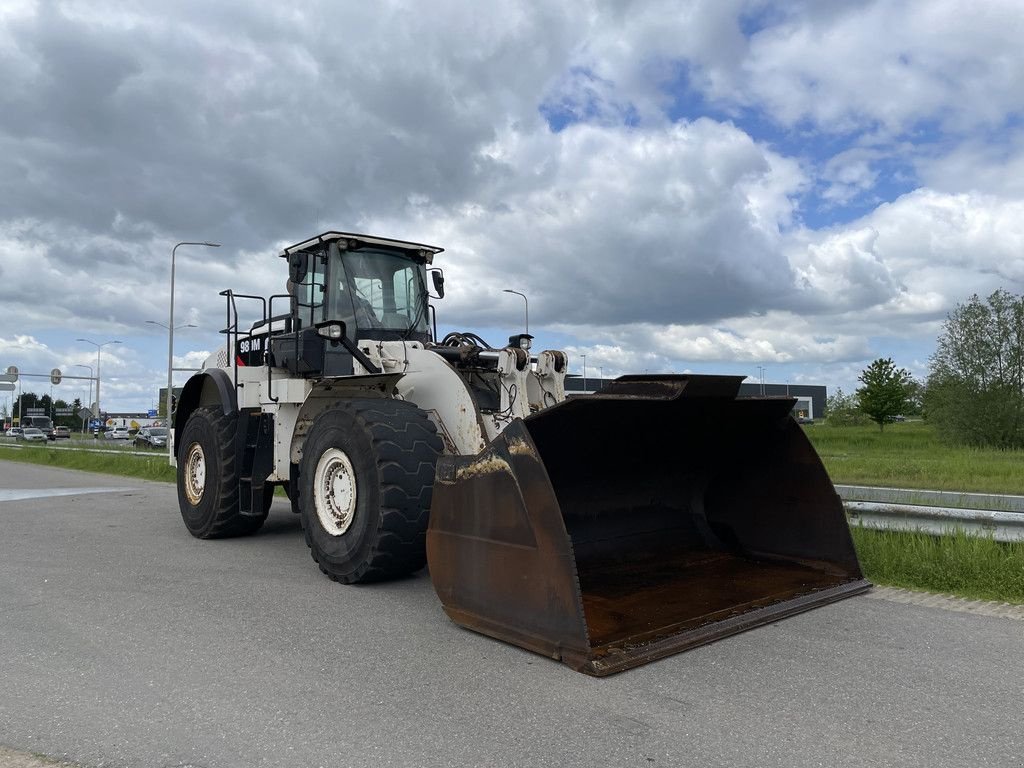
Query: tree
[916, 393]
[975, 389]
[842, 410]
[884, 394]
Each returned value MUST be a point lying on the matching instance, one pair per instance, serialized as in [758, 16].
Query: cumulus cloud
[773, 339]
[840, 66]
[645, 172]
[951, 243]
[978, 165]
[849, 174]
[626, 226]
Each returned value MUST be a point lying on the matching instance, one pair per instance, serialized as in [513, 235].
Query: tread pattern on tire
[227, 520]
[406, 447]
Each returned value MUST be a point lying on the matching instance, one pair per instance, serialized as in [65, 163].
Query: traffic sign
[12, 370]
[62, 411]
[85, 413]
[6, 386]
[35, 411]
[8, 377]
[55, 376]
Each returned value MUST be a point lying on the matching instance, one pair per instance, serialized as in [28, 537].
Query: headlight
[521, 340]
[331, 330]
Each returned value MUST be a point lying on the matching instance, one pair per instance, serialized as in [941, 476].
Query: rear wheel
[366, 480]
[208, 477]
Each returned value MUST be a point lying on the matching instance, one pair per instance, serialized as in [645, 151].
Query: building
[810, 398]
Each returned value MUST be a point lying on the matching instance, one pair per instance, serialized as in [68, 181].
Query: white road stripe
[20, 494]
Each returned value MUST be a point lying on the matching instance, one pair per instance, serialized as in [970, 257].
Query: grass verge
[143, 467]
[958, 564]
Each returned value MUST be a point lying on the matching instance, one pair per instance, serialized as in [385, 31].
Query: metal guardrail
[991, 515]
[892, 509]
[85, 446]
[994, 501]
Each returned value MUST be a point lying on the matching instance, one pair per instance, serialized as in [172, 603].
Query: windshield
[378, 292]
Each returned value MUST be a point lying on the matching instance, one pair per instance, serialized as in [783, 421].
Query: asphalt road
[125, 642]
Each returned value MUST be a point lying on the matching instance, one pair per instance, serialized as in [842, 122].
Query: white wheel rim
[195, 474]
[334, 492]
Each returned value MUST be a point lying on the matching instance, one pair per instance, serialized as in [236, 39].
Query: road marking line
[948, 603]
[20, 494]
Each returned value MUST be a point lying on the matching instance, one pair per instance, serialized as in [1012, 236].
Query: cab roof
[426, 252]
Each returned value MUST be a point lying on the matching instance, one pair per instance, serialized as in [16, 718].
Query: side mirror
[298, 266]
[437, 278]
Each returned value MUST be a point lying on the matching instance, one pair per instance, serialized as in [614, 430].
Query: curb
[949, 603]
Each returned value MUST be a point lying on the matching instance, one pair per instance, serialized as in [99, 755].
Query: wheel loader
[605, 530]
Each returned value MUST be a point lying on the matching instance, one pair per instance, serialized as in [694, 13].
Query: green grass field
[908, 455]
[905, 455]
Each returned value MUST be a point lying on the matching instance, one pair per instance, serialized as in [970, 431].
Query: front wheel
[208, 477]
[366, 477]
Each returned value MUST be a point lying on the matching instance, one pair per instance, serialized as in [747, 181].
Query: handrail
[231, 329]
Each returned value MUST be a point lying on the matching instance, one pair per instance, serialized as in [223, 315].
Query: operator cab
[377, 287]
[346, 289]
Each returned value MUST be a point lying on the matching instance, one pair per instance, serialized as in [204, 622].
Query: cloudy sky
[717, 186]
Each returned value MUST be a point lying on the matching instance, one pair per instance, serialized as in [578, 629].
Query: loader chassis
[604, 530]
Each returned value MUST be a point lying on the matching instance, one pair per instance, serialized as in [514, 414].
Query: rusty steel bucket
[618, 528]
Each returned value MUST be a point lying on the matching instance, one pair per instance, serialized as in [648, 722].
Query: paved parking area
[125, 642]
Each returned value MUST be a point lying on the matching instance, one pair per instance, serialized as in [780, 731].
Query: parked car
[61, 432]
[15, 432]
[151, 437]
[33, 435]
[118, 433]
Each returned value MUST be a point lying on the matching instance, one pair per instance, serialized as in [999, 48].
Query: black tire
[208, 478]
[391, 448]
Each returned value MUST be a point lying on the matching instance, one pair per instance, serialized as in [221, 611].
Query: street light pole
[184, 325]
[517, 293]
[170, 336]
[88, 405]
[760, 368]
[584, 374]
[99, 347]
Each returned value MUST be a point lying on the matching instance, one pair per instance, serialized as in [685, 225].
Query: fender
[210, 387]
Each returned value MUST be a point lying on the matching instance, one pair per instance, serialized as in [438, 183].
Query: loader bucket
[618, 528]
